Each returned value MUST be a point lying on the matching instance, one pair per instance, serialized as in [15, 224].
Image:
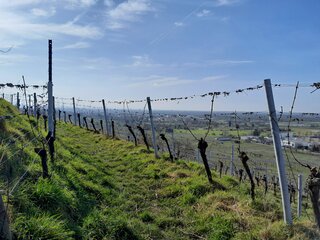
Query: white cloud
[43, 13]
[14, 25]
[203, 13]
[156, 81]
[11, 59]
[226, 2]
[141, 60]
[179, 24]
[77, 45]
[127, 12]
[18, 3]
[161, 81]
[71, 4]
[210, 63]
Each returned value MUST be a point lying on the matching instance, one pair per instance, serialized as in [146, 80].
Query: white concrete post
[278, 153]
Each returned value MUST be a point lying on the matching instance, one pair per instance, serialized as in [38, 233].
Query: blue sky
[159, 48]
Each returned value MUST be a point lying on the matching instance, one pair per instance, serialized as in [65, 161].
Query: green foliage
[42, 226]
[146, 217]
[222, 229]
[103, 225]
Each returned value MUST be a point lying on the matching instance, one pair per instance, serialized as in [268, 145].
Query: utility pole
[278, 153]
[155, 147]
[50, 91]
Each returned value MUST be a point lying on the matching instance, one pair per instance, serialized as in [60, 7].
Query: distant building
[224, 139]
[295, 143]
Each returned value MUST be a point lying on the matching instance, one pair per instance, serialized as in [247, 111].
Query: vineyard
[107, 183]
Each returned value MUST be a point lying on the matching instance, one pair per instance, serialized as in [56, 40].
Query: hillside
[102, 188]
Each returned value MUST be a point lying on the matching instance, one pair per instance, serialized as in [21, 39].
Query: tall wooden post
[278, 153]
[155, 147]
[232, 160]
[50, 90]
[29, 109]
[74, 112]
[35, 105]
[4, 222]
[11, 99]
[18, 101]
[106, 119]
[299, 207]
[54, 117]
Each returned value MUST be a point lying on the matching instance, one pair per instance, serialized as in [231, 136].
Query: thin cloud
[163, 81]
[229, 62]
[210, 63]
[160, 81]
[38, 12]
[18, 3]
[77, 45]
[11, 59]
[14, 25]
[73, 4]
[127, 12]
[226, 2]
[203, 13]
[179, 24]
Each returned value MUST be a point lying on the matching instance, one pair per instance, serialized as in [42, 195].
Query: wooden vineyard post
[29, 109]
[74, 112]
[106, 119]
[299, 207]
[278, 153]
[155, 147]
[18, 101]
[113, 129]
[4, 222]
[35, 105]
[232, 160]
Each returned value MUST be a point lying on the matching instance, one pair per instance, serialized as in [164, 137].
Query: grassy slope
[101, 188]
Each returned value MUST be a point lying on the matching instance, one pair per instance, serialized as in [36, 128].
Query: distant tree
[256, 132]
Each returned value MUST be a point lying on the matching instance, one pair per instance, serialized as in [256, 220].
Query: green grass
[101, 188]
